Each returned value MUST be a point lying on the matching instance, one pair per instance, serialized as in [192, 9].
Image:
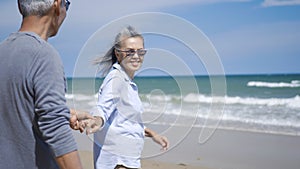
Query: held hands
[84, 121]
[76, 118]
[92, 125]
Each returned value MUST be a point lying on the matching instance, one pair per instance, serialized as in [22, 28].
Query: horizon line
[203, 75]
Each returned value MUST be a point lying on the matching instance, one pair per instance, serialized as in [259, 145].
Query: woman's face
[131, 54]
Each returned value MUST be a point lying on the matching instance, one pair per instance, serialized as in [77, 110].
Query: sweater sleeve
[52, 113]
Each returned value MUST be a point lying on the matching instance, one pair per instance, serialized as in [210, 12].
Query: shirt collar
[121, 69]
[125, 75]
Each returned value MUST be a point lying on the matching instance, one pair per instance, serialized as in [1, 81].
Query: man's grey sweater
[34, 116]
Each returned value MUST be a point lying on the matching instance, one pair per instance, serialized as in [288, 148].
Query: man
[34, 116]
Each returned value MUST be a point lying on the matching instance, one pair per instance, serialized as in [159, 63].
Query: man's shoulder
[35, 49]
[29, 47]
[30, 39]
[43, 48]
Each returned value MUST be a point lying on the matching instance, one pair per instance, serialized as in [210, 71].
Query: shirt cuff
[96, 112]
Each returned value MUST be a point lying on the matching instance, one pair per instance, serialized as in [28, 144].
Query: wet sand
[226, 149]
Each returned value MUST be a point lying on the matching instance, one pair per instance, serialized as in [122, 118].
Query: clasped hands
[83, 121]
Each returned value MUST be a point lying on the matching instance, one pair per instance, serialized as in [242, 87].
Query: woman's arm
[161, 140]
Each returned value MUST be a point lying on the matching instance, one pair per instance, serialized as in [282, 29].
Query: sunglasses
[67, 4]
[132, 52]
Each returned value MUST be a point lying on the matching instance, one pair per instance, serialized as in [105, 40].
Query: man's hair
[35, 7]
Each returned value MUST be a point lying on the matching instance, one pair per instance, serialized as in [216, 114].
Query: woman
[119, 142]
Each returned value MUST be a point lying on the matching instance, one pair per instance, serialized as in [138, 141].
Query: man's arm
[52, 113]
[69, 161]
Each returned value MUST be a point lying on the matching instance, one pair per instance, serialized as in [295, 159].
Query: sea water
[261, 103]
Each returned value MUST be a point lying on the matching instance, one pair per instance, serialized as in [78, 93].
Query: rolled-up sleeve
[52, 113]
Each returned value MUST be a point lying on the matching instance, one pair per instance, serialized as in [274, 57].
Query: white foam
[69, 96]
[292, 84]
[293, 102]
[80, 97]
[241, 112]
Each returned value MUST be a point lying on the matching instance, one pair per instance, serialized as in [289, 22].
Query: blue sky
[250, 36]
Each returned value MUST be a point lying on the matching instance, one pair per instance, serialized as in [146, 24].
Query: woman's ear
[116, 52]
[118, 55]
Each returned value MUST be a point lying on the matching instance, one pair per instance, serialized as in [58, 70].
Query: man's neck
[38, 25]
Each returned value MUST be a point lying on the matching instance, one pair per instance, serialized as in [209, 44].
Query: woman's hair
[35, 7]
[105, 62]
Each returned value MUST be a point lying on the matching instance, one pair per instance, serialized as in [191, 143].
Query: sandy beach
[226, 149]
[86, 159]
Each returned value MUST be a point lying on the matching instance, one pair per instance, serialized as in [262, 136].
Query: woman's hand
[92, 125]
[161, 140]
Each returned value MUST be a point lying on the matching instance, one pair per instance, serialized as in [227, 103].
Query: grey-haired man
[34, 116]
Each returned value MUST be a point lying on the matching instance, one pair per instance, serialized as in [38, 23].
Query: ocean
[258, 103]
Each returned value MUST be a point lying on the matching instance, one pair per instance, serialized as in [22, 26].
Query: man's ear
[19, 7]
[56, 6]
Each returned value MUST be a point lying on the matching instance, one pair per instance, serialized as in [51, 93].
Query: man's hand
[78, 118]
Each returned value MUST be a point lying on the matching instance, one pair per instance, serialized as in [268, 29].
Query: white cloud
[268, 3]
